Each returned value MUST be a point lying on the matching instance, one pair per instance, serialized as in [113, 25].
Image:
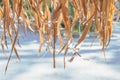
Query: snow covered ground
[38, 66]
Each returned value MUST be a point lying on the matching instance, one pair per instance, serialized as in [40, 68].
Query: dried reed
[48, 16]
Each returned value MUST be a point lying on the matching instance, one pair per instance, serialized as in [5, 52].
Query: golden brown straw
[48, 17]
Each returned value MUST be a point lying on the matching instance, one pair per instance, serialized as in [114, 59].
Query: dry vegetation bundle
[46, 17]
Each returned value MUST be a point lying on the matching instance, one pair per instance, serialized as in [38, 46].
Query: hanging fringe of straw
[48, 17]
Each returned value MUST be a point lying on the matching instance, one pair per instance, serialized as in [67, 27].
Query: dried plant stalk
[48, 15]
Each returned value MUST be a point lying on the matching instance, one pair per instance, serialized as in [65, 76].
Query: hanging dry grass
[48, 22]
